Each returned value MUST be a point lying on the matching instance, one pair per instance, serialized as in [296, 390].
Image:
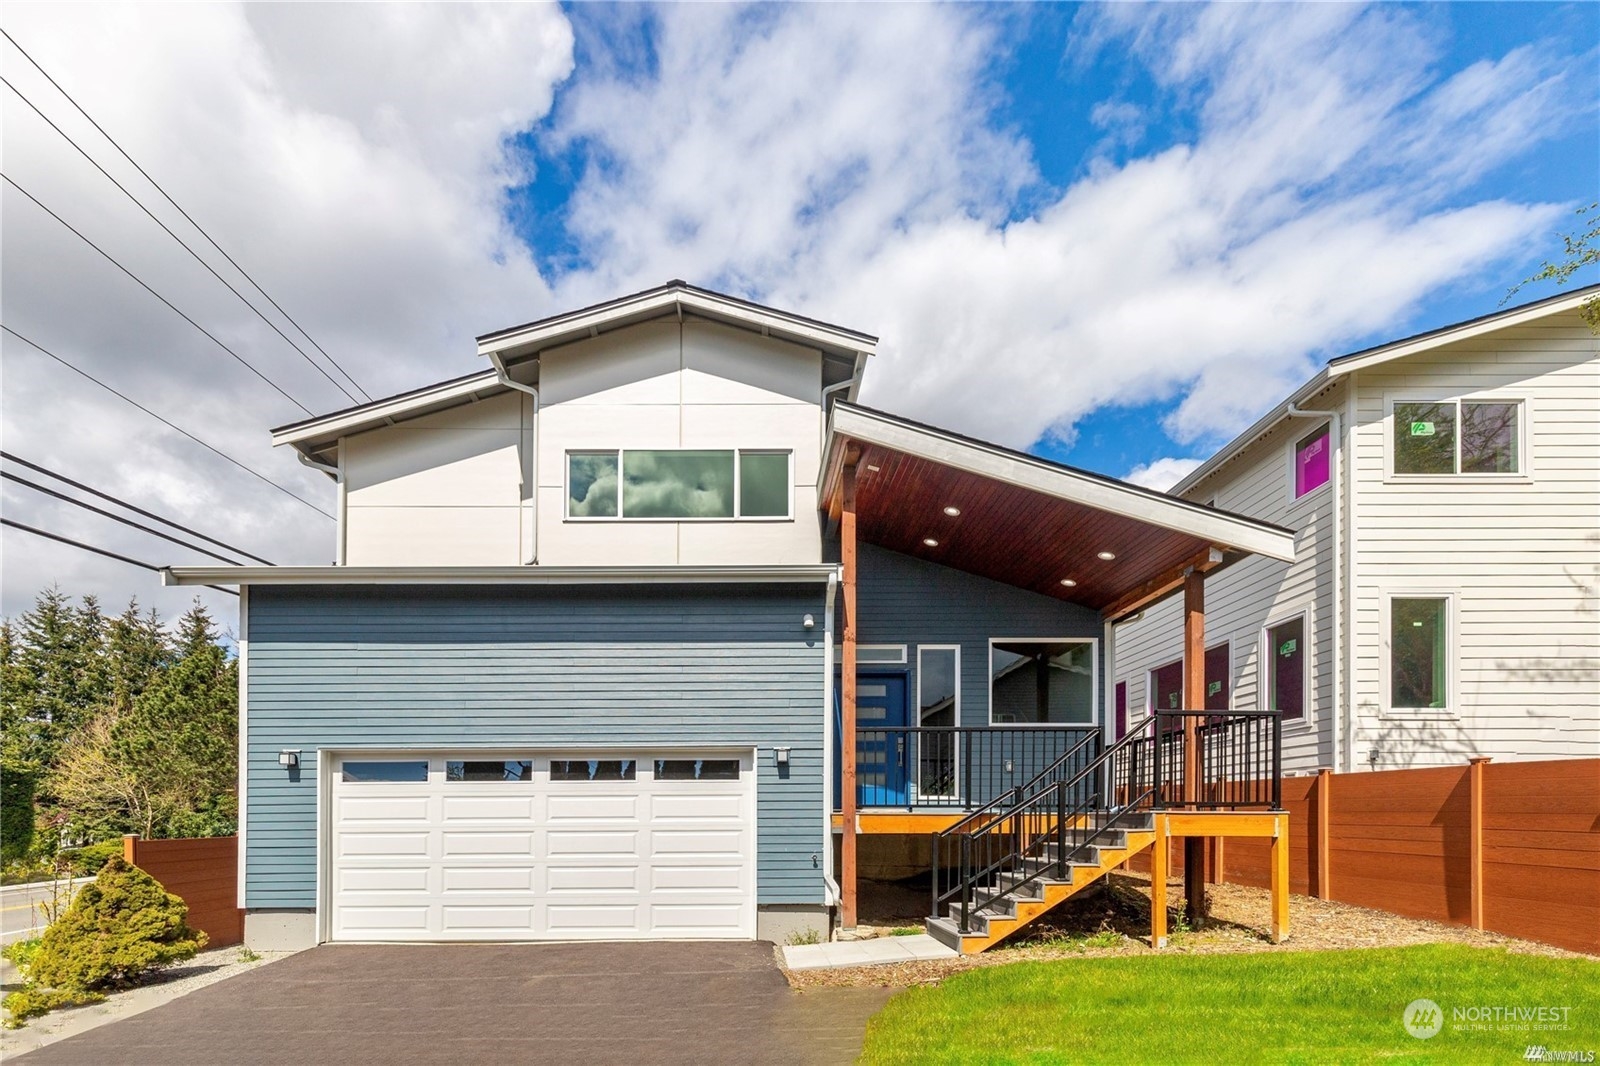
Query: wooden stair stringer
[1055, 893]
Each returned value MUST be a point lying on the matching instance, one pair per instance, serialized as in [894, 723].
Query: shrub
[19, 953]
[88, 860]
[31, 1001]
[16, 814]
[119, 926]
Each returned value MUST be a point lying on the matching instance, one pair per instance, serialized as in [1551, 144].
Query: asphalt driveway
[493, 1003]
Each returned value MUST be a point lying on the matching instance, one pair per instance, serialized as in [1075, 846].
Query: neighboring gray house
[1444, 600]
[574, 671]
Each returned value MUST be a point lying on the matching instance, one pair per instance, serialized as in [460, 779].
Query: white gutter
[502, 376]
[493, 575]
[1336, 437]
[833, 896]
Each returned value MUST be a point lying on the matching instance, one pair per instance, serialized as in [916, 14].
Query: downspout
[1336, 437]
[831, 892]
[337, 473]
[505, 379]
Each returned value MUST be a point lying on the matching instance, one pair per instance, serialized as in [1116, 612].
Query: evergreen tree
[137, 649]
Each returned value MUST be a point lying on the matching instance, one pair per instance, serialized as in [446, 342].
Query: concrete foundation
[280, 930]
[794, 923]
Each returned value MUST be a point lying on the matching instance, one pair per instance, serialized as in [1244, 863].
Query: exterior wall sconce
[289, 759]
[809, 622]
[780, 756]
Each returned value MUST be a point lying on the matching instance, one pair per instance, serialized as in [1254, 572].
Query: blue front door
[882, 746]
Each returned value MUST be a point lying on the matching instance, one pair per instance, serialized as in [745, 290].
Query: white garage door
[517, 846]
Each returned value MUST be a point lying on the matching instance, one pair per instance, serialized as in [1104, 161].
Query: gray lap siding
[541, 667]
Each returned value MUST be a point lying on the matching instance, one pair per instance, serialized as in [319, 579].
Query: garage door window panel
[488, 770]
[697, 769]
[409, 770]
[593, 769]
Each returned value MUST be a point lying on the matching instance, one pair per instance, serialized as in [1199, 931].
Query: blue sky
[1078, 106]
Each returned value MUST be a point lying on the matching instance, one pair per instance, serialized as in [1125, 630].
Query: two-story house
[632, 633]
[1444, 600]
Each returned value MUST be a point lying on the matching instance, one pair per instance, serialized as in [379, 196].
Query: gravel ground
[1116, 921]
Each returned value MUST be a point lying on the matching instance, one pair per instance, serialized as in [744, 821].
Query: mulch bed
[1240, 921]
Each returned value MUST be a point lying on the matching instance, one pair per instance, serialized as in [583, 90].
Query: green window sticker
[1287, 648]
[1213, 688]
[1422, 429]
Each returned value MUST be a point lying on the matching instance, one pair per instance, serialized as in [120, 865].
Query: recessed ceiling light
[1067, 581]
[930, 542]
[953, 512]
[1107, 556]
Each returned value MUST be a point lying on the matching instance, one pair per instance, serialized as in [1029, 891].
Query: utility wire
[36, 487]
[98, 551]
[195, 255]
[187, 217]
[135, 403]
[241, 359]
[131, 507]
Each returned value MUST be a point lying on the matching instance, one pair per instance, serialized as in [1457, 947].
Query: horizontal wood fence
[204, 872]
[1510, 847]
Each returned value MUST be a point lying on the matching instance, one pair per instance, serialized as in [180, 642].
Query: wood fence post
[1323, 831]
[1475, 774]
[130, 848]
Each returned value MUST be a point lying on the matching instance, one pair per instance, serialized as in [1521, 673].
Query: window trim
[1293, 448]
[1523, 475]
[1096, 713]
[1451, 711]
[1308, 713]
[620, 453]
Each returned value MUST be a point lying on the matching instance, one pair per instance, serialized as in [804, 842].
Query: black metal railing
[1240, 764]
[958, 767]
[1040, 828]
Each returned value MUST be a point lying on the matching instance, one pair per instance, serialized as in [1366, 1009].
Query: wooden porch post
[1194, 699]
[847, 728]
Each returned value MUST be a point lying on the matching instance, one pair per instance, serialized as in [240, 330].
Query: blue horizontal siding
[475, 666]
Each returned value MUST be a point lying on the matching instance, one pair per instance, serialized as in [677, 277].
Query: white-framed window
[1471, 437]
[1043, 681]
[1420, 669]
[680, 484]
[1284, 683]
[874, 654]
[938, 705]
[1310, 462]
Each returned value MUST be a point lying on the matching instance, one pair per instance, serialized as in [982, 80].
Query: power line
[210, 448]
[108, 257]
[195, 255]
[98, 551]
[135, 509]
[187, 217]
[36, 487]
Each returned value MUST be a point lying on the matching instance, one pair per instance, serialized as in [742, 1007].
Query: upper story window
[1311, 467]
[1457, 437]
[679, 484]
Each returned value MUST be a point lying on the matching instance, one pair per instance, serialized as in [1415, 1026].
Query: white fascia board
[568, 328]
[1217, 527]
[1259, 429]
[383, 411]
[493, 575]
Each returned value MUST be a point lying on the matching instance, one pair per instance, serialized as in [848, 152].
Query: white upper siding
[456, 487]
[1244, 599]
[1519, 556]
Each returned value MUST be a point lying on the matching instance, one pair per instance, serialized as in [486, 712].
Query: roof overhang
[1339, 367]
[1026, 521]
[674, 299]
[313, 436]
[495, 575]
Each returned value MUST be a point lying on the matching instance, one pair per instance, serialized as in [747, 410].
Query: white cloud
[1161, 474]
[351, 163]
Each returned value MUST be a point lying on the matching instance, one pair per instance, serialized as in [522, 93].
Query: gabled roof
[1377, 355]
[517, 346]
[674, 298]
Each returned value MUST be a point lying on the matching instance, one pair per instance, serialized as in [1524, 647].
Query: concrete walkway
[880, 951]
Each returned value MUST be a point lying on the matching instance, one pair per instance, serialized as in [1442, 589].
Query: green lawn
[1324, 1006]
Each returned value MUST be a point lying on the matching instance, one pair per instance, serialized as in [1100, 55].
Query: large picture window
[1419, 652]
[680, 484]
[1284, 653]
[1041, 682]
[1457, 437]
